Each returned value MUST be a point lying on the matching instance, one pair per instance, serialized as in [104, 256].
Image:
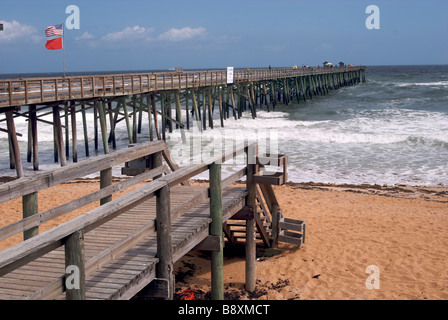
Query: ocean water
[391, 130]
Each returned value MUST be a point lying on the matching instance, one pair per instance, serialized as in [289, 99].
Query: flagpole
[63, 46]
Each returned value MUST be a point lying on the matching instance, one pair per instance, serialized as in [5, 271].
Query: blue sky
[146, 35]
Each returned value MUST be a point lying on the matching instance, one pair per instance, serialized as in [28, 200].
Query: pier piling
[175, 96]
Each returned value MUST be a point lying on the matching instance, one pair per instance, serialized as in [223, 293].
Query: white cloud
[15, 31]
[130, 33]
[85, 36]
[183, 34]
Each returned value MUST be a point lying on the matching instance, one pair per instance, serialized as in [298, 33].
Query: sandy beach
[400, 230]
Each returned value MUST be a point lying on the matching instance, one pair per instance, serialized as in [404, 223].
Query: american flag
[56, 30]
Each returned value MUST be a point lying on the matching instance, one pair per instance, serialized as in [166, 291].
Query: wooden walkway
[15, 92]
[128, 273]
[168, 100]
[132, 242]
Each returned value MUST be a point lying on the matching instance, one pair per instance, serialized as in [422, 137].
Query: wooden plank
[48, 215]
[291, 224]
[290, 237]
[27, 251]
[187, 232]
[40, 181]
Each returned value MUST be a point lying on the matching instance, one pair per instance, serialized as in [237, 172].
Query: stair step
[290, 237]
[231, 223]
[291, 224]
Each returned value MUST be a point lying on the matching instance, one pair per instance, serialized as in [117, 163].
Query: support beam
[34, 137]
[163, 226]
[103, 126]
[148, 108]
[250, 223]
[59, 138]
[74, 265]
[14, 144]
[74, 132]
[30, 208]
[84, 125]
[216, 230]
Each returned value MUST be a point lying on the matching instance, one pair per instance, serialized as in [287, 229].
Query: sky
[194, 34]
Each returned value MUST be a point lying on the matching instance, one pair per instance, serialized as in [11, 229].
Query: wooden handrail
[41, 244]
[31, 90]
[40, 181]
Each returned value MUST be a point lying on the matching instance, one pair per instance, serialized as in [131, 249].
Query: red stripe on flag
[54, 44]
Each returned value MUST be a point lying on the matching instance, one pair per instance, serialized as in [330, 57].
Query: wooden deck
[127, 243]
[16, 92]
[128, 273]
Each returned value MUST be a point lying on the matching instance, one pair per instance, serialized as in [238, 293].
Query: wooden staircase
[271, 226]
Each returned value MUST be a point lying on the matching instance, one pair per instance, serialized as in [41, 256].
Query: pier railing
[16, 92]
[70, 234]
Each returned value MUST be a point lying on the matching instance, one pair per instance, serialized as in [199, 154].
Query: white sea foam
[424, 84]
[360, 136]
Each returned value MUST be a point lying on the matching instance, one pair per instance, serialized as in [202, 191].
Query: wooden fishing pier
[177, 99]
[131, 242]
[128, 243]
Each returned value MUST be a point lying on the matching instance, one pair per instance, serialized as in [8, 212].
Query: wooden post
[33, 121]
[30, 207]
[74, 263]
[232, 96]
[250, 223]
[275, 212]
[105, 181]
[187, 113]
[216, 230]
[30, 141]
[273, 94]
[154, 112]
[14, 144]
[126, 117]
[148, 108]
[204, 110]
[59, 138]
[210, 109]
[95, 125]
[67, 133]
[103, 126]
[84, 125]
[140, 116]
[163, 226]
[156, 159]
[74, 132]
[169, 112]
[178, 109]
[163, 115]
[134, 120]
[113, 121]
[220, 107]
[196, 110]
[297, 90]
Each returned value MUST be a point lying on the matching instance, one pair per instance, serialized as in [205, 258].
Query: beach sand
[400, 230]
